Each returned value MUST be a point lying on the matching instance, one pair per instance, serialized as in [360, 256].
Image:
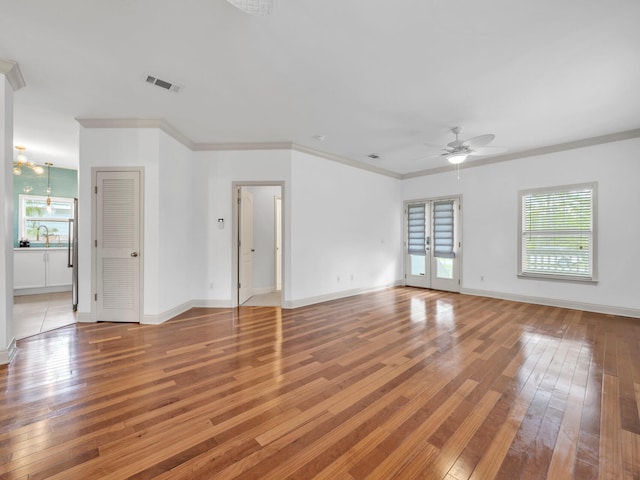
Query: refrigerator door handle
[69, 263]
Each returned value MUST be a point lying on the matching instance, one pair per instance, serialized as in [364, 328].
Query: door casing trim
[405, 205]
[94, 236]
[234, 232]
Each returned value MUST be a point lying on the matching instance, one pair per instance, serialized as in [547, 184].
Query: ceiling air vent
[172, 87]
[373, 156]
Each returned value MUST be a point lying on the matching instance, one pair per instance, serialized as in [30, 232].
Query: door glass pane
[444, 268]
[418, 264]
[417, 224]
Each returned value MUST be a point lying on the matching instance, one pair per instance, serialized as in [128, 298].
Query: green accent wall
[63, 183]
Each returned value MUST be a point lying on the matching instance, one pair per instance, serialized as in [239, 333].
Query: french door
[432, 244]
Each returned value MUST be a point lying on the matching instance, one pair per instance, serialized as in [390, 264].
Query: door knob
[134, 254]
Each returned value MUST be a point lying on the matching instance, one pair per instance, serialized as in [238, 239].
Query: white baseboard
[303, 302]
[552, 302]
[85, 317]
[8, 354]
[40, 290]
[213, 303]
[88, 317]
[164, 316]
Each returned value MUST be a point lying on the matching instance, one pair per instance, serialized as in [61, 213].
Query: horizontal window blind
[416, 216]
[443, 241]
[557, 232]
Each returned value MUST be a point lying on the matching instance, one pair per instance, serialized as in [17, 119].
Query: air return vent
[172, 87]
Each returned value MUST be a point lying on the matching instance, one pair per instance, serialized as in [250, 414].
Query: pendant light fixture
[49, 207]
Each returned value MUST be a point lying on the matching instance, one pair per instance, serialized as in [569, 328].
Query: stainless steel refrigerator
[72, 254]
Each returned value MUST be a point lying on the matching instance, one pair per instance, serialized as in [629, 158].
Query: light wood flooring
[399, 384]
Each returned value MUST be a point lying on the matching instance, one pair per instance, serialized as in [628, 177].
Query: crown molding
[11, 70]
[203, 147]
[137, 123]
[216, 147]
[87, 122]
[559, 147]
[346, 161]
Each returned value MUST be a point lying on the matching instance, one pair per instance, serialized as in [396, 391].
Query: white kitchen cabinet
[58, 274]
[40, 270]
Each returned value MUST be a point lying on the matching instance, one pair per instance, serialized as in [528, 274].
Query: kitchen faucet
[46, 243]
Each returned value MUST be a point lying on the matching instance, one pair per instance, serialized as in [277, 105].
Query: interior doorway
[258, 232]
[433, 243]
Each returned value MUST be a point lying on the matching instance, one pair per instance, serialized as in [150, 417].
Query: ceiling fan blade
[487, 151]
[479, 141]
[253, 7]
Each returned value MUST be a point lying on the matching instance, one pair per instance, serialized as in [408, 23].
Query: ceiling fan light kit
[457, 151]
[456, 158]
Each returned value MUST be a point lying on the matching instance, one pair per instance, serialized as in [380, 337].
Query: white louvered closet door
[118, 246]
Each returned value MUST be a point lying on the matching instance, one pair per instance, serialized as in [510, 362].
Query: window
[558, 233]
[417, 229]
[36, 220]
[443, 229]
[416, 235]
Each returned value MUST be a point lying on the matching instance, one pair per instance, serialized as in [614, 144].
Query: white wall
[346, 230]
[264, 269]
[221, 169]
[119, 148]
[338, 222]
[180, 230]
[7, 340]
[490, 219]
[343, 226]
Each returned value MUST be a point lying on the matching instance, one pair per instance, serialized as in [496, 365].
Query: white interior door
[278, 241]
[245, 245]
[432, 244]
[118, 253]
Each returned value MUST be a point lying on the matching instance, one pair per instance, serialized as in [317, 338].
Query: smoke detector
[172, 87]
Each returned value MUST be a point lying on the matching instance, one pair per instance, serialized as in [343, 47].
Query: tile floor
[273, 299]
[33, 314]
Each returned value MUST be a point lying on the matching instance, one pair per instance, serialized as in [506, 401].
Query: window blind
[443, 234]
[416, 234]
[557, 232]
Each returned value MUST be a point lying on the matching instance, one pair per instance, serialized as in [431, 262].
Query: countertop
[37, 249]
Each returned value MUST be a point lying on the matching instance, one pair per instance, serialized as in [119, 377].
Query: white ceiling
[372, 76]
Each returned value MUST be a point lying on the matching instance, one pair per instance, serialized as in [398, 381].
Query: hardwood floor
[403, 383]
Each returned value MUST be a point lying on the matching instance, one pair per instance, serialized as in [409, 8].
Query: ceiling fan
[457, 151]
[253, 7]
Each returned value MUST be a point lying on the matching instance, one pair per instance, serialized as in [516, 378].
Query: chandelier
[23, 162]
